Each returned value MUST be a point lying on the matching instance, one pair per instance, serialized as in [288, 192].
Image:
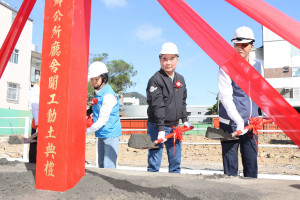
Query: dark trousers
[32, 148]
[248, 149]
[155, 155]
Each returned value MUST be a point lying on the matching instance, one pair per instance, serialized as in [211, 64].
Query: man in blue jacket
[107, 125]
[236, 109]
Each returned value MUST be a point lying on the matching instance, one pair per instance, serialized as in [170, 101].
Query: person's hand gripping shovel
[143, 141]
[218, 134]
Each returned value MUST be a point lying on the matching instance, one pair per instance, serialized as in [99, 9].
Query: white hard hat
[243, 35]
[96, 69]
[169, 48]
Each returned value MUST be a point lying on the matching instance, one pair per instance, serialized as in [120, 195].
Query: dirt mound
[18, 182]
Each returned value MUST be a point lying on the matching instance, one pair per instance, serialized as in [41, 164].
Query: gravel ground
[17, 182]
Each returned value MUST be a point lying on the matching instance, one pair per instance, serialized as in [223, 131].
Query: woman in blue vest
[236, 109]
[107, 125]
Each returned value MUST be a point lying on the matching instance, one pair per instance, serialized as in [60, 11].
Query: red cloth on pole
[62, 105]
[14, 33]
[272, 18]
[239, 70]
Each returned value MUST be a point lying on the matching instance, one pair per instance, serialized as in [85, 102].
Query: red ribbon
[257, 124]
[177, 134]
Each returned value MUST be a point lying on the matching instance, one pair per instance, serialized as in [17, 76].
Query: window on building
[296, 93]
[13, 17]
[188, 113]
[13, 90]
[37, 76]
[294, 51]
[296, 71]
[14, 56]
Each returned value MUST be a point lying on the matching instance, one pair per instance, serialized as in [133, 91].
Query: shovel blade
[218, 134]
[141, 141]
[14, 139]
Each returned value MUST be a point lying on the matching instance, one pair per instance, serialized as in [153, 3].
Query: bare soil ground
[276, 160]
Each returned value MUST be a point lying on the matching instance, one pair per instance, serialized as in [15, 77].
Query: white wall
[284, 82]
[16, 73]
[276, 50]
[277, 54]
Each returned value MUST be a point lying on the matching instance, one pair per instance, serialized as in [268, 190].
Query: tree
[98, 57]
[214, 109]
[120, 74]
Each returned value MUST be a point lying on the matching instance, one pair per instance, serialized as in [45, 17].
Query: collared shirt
[226, 97]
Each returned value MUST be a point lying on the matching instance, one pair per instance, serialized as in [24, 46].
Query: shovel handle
[182, 129]
[27, 140]
[167, 137]
[267, 121]
[240, 131]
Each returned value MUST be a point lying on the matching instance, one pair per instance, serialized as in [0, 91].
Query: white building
[15, 81]
[195, 113]
[282, 67]
[131, 101]
[35, 74]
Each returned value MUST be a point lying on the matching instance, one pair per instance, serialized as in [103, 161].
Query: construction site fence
[128, 125]
[138, 125]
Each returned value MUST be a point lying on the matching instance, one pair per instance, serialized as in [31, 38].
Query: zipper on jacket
[174, 90]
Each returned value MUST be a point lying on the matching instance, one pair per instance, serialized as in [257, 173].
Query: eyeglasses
[242, 38]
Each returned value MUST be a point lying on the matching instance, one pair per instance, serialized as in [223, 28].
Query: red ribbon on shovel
[176, 134]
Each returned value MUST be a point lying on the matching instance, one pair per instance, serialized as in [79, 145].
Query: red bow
[177, 133]
[177, 84]
[94, 101]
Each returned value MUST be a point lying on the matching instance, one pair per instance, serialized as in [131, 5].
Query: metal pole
[26, 135]
[217, 94]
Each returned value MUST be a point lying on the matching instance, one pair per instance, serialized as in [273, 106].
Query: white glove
[187, 124]
[244, 132]
[240, 126]
[161, 135]
[90, 130]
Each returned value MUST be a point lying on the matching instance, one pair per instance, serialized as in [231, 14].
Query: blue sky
[134, 30]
